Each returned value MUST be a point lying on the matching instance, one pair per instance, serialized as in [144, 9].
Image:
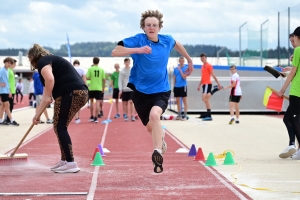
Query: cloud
[214, 22]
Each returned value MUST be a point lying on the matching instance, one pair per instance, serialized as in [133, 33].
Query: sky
[213, 22]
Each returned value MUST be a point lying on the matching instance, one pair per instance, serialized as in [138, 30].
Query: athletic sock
[292, 143]
[208, 113]
[1, 120]
[232, 117]
[158, 150]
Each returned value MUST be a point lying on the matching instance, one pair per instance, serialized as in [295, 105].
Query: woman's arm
[287, 81]
[47, 74]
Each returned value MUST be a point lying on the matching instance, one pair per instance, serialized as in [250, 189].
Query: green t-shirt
[11, 81]
[96, 75]
[295, 87]
[115, 79]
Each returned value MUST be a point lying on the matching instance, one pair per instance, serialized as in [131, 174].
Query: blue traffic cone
[101, 150]
[193, 151]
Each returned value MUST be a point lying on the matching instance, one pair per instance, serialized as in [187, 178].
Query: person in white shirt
[81, 73]
[235, 95]
[31, 91]
[19, 91]
[125, 92]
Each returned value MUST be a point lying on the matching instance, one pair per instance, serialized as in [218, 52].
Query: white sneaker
[77, 121]
[287, 152]
[58, 164]
[49, 121]
[68, 167]
[164, 144]
[296, 156]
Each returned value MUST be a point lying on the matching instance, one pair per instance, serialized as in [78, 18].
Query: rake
[21, 157]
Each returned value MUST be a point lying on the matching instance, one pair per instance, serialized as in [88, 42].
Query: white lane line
[23, 108]
[93, 186]
[221, 179]
[197, 121]
[44, 194]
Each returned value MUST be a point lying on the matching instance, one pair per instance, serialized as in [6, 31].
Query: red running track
[128, 171]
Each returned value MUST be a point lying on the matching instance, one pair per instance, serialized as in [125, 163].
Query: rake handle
[28, 131]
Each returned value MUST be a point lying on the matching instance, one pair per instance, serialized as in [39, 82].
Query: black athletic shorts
[126, 96]
[180, 91]
[233, 98]
[144, 102]
[294, 106]
[206, 88]
[116, 93]
[4, 97]
[96, 94]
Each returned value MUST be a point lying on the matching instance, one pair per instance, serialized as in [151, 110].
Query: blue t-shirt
[180, 82]
[149, 72]
[4, 79]
[37, 84]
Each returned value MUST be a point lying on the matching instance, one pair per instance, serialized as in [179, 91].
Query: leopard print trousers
[65, 108]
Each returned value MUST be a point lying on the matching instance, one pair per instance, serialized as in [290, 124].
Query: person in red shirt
[207, 91]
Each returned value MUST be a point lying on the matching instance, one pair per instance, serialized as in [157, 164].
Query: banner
[69, 49]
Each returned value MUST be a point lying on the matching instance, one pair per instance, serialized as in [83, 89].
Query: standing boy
[207, 91]
[125, 92]
[5, 93]
[235, 95]
[96, 88]
[115, 85]
[38, 92]
[180, 88]
[12, 89]
[81, 73]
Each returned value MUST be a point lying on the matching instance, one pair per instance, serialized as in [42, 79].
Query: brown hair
[8, 59]
[203, 55]
[96, 60]
[232, 67]
[35, 53]
[151, 13]
[126, 59]
[76, 62]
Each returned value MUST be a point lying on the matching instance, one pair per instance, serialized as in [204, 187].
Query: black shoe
[157, 160]
[237, 122]
[4, 123]
[99, 116]
[95, 120]
[91, 119]
[214, 90]
[101, 113]
[41, 122]
[7, 121]
[203, 115]
[14, 123]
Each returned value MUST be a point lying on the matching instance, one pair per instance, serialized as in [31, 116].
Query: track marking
[44, 194]
[96, 170]
[197, 121]
[229, 186]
